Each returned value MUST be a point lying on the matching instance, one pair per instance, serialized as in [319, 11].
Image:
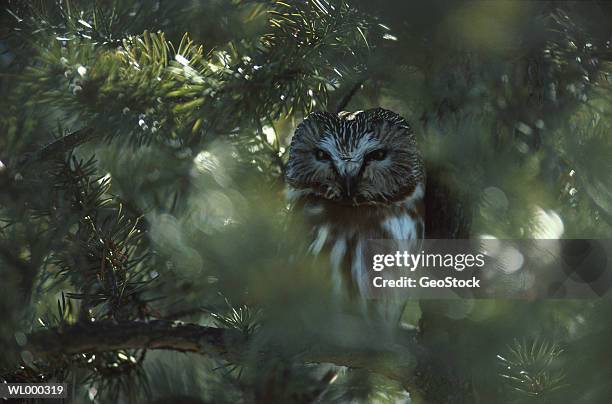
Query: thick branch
[346, 98]
[395, 362]
[110, 336]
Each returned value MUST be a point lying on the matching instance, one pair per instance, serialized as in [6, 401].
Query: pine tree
[144, 255]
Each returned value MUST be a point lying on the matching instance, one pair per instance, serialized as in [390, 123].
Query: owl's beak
[350, 185]
[350, 182]
[350, 172]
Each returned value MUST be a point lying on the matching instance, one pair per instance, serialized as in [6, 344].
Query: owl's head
[365, 157]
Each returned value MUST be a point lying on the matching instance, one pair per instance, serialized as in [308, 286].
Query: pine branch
[60, 146]
[228, 344]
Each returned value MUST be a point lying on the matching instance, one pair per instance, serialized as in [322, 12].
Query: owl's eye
[376, 155]
[322, 155]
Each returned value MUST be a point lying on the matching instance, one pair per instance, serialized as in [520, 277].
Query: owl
[355, 177]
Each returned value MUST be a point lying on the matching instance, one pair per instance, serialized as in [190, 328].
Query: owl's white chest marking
[321, 239]
[402, 227]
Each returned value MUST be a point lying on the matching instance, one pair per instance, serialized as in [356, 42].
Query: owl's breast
[341, 234]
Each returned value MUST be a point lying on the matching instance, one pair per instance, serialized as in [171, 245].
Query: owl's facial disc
[349, 172]
[354, 159]
[349, 166]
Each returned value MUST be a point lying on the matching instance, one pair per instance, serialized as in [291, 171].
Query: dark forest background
[144, 255]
